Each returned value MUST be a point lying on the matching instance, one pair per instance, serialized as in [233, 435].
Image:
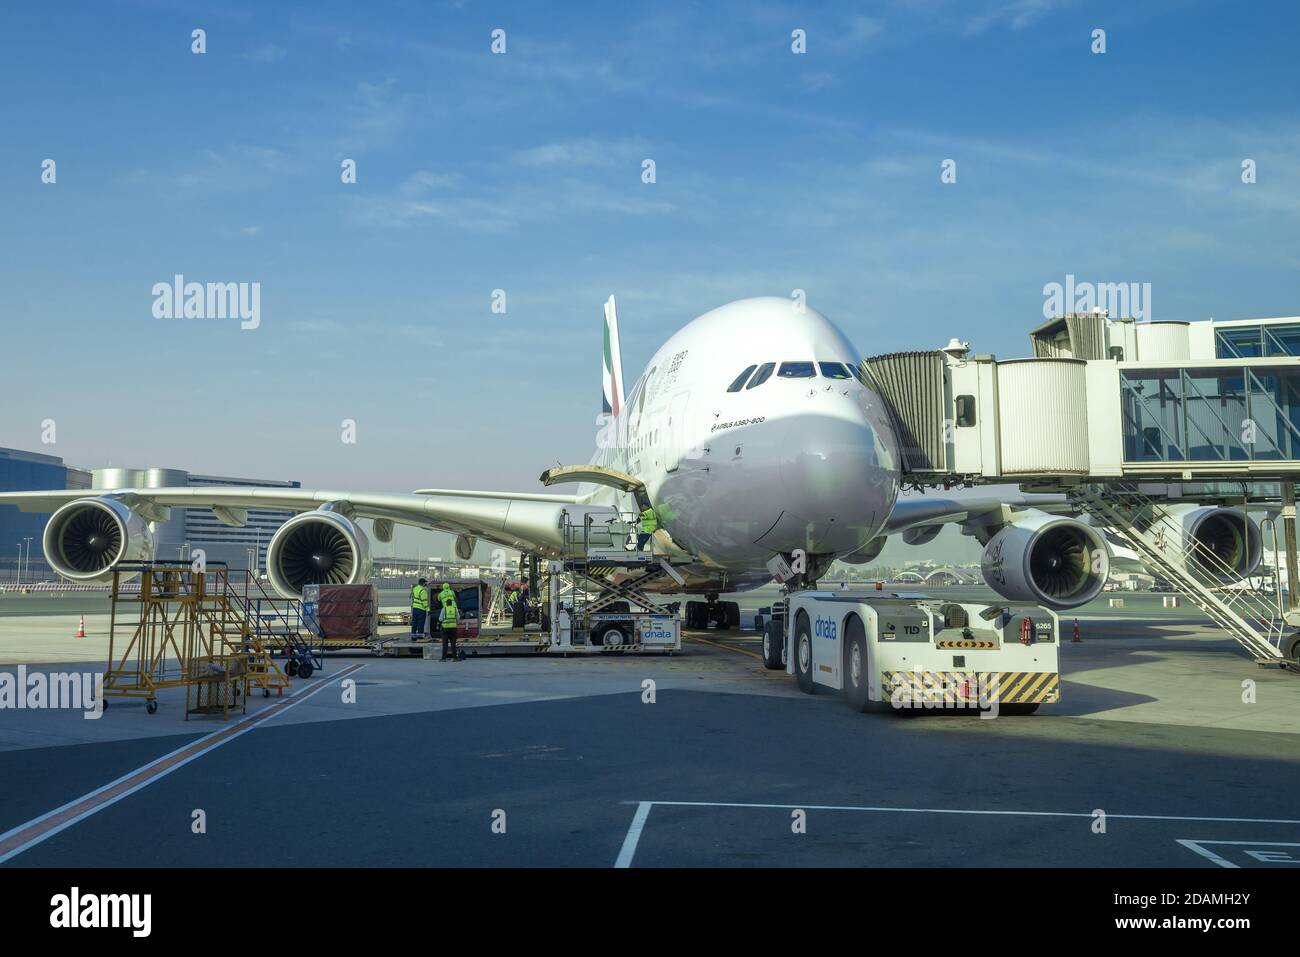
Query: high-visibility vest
[420, 597]
[449, 612]
[514, 596]
[649, 521]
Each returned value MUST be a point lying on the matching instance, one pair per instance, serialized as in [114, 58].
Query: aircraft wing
[984, 510]
[528, 522]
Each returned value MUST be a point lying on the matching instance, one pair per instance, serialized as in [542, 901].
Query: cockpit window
[740, 380]
[834, 370]
[797, 370]
[762, 375]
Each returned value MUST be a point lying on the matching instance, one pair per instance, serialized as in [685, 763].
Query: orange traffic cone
[81, 628]
[1076, 631]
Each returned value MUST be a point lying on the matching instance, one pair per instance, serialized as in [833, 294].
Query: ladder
[276, 624]
[1252, 618]
[243, 631]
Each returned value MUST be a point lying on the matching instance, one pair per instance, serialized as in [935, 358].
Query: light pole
[20, 564]
[27, 558]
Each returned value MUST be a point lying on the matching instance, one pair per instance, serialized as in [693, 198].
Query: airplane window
[834, 370]
[797, 370]
[762, 375]
[740, 380]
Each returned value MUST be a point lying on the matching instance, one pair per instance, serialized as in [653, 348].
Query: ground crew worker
[419, 608]
[649, 524]
[448, 616]
[518, 609]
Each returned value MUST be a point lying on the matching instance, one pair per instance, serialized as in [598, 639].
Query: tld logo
[825, 628]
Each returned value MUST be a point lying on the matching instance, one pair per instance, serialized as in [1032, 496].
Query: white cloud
[267, 53]
[587, 152]
[1016, 14]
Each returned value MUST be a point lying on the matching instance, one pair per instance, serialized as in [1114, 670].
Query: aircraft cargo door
[676, 429]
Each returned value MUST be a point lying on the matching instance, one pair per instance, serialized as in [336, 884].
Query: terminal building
[20, 532]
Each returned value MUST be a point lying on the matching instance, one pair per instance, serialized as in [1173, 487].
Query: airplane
[752, 431]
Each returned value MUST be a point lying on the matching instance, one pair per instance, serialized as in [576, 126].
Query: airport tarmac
[1152, 731]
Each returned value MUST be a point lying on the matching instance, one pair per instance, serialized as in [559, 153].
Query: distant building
[29, 472]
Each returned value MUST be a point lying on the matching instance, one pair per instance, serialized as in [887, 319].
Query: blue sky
[522, 172]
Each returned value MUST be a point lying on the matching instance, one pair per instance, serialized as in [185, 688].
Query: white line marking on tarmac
[944, 810]
[217, 739]
[1223, 861]
[633, 835]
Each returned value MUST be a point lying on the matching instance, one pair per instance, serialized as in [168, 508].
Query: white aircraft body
[753, 433]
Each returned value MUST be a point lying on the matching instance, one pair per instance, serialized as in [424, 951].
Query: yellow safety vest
[649, 521]
[449, 613]
[420, 597]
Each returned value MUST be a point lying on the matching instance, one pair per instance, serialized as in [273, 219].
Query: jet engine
[1224, 542]
[323, 547]
[85, 538]
[1052, 561]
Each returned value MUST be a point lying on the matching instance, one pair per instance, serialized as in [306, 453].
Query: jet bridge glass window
[797, 370]
[1239, 342]
[834, 370]
[1282, 340]
[740, 380]
[1252, 342]
[1211, 415]
[762, 375]
[1152, 409]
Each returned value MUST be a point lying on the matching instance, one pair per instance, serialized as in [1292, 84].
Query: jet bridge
[976, 418]
[1127, 418]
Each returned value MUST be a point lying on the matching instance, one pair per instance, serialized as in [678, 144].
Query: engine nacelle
[85, 538]
[317, 548]
[867, 553]
[1052, 561]
[464, 547]
[1224, 543]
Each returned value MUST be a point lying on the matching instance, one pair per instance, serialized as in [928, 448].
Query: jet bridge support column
[1288, 530]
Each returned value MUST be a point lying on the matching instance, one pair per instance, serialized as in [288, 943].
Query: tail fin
[612, 371]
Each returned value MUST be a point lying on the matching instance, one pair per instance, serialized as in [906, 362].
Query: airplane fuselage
[797, 455]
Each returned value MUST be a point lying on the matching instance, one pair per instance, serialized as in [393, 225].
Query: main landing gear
[721, 614]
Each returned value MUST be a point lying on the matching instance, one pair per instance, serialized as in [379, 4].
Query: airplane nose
[839, 478]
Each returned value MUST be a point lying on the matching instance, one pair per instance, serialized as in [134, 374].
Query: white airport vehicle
[912, 653]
